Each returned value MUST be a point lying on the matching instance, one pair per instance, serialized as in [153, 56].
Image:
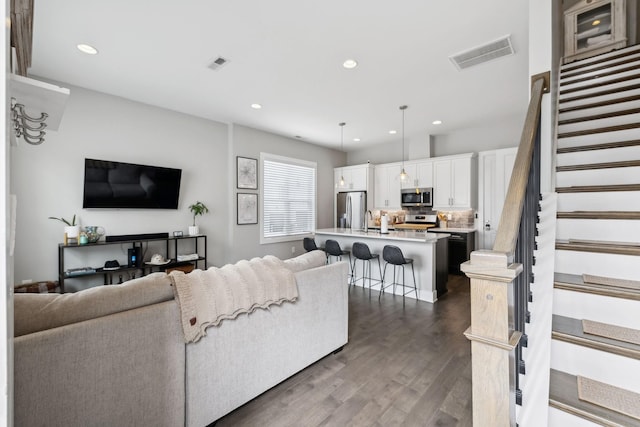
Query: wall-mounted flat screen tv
[109, 184]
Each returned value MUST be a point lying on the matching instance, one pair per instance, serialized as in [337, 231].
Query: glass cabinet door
[593, 27]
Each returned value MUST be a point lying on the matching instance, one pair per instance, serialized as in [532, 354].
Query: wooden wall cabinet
[592, 27]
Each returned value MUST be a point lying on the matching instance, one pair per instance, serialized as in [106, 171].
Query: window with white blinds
[288, 198]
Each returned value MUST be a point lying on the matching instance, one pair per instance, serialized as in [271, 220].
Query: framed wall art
[247, 173]
[247, 208]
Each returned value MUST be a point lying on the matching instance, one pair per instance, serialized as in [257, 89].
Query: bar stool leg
[415, 285]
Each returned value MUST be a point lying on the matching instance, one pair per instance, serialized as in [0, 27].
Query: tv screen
[110, 184]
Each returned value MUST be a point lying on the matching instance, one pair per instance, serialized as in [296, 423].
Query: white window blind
[288, 198]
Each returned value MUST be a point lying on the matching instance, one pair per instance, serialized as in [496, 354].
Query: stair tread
[599, 130]
[570, 330]
[600, 116]
[629, 60]
[575, 283]
[604, 146]
[600, 215]
[606, 165]
[599, 84]
[563, 395]
[598, 188]
[620, 248]
[609, 91]
[577, 67]
[599, 104]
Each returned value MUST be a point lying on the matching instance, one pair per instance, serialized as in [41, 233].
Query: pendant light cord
[341, 124]
[403, 174]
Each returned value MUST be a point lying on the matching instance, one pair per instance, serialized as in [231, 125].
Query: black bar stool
[361, 252]
[333, 250]
[393, 255]
[309, 244]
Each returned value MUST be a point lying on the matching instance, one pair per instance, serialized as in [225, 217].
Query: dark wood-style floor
[405, 365]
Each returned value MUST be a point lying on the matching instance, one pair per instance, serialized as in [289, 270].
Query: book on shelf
[80, 271]
[187, 257]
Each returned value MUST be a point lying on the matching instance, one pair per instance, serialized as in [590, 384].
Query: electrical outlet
[293, 249]
[448, 217]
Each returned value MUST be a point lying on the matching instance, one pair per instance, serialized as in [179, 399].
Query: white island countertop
[405, 235]
[428, 250]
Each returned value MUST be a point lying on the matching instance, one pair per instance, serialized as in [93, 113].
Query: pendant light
[403, 175]
[341, 148]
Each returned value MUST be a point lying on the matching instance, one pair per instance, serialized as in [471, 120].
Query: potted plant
[71, 229]
[198, 208]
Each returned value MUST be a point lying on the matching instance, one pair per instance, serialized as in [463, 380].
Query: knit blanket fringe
[207, 297]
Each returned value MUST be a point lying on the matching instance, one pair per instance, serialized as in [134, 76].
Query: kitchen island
[428, 250]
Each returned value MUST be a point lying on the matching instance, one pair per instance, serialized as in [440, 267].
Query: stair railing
[500, 281]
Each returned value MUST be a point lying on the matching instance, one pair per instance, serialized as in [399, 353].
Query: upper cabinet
[454, 182]
[420, 174]
[593, 27]
[387, 186]
[353, 178]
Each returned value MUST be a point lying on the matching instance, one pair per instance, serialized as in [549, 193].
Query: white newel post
[493, 338]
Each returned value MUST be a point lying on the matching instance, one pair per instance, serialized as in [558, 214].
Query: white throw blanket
[206, 298]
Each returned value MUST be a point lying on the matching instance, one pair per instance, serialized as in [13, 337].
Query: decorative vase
[72, 231]
[194, 230]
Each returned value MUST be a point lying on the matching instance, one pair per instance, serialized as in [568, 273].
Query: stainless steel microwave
[415, 197]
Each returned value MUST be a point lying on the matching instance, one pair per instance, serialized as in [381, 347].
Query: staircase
[595, 348]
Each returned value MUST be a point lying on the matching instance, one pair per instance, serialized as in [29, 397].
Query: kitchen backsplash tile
[460, 219]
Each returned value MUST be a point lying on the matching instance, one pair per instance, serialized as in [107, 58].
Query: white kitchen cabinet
[387, 186]
[454, 179]
[356, 178]
[420, 174]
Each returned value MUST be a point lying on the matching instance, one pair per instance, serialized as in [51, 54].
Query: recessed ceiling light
[437, 122]
[596, 22]
[88, 49]
[356, 139]
[350, 63]
[393, 132]
[256, 106]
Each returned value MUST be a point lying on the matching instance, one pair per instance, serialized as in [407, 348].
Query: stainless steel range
[416, 220]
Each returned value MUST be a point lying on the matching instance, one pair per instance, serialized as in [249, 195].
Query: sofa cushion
[38, 312]
[306, 261]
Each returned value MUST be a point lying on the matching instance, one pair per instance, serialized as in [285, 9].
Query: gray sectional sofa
[116, 355]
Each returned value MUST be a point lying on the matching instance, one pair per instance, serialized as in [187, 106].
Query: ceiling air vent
[484, 53]
[217, 63]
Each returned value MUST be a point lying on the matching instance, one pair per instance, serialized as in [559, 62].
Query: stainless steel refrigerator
[351, 209]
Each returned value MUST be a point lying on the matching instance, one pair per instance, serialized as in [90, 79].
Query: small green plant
[198, 208]
[69, 223]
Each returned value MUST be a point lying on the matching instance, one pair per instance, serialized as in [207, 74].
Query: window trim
[293, 161]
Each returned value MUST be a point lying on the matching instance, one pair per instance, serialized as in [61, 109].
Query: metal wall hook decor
[31, 129]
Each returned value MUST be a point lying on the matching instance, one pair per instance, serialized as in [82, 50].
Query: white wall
[48, 179]
[6, 271]
[493, 136]
[248, 142]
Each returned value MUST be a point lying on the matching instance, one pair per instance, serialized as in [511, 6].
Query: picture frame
[247, 208]
[246, 173]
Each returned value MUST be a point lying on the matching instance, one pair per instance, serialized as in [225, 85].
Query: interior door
[494, 176]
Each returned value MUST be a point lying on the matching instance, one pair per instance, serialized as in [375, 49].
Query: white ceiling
[287, 55]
